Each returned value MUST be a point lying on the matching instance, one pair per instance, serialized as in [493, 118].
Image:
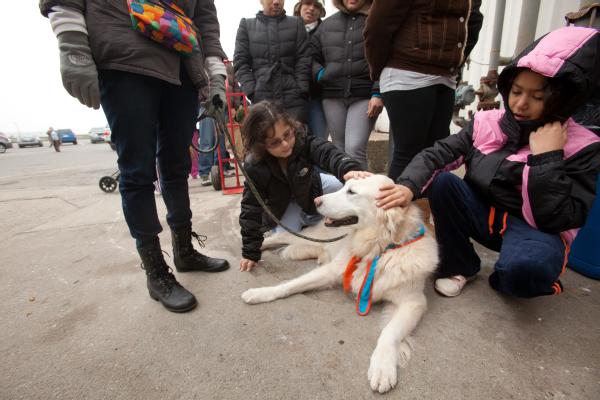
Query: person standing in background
[54, 139]
[415, 50]
[351, 100]
[272, 60]
[312, 13]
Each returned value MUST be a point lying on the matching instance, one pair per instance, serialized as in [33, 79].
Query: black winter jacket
[338, 47]
[302, 184]
[272, 60]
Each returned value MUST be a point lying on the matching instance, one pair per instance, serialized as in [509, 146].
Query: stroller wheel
[215, 177]
[107, 184]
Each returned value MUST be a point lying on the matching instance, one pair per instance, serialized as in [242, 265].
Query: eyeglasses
[287, 136]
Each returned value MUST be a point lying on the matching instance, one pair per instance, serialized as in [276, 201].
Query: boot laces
[200, 238]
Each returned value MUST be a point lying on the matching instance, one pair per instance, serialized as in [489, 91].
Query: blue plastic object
[585, 250]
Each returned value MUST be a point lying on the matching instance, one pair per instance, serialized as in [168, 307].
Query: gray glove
[217, 88]
[77, 68]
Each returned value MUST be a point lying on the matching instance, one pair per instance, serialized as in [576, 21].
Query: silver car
[29, 140]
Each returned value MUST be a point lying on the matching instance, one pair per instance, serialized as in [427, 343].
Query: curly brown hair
[259, 125]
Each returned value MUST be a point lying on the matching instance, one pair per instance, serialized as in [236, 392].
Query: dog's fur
[400, 274]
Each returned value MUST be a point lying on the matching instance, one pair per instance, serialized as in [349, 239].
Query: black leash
[217, 114]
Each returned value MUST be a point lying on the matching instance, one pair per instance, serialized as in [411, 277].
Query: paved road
[76, 321]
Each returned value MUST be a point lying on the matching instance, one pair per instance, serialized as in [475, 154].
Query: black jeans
[530, 261]
[152, 122]
[418, 118]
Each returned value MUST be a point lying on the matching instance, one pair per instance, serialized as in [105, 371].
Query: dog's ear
[391, 222]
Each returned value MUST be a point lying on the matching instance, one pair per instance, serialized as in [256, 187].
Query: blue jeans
[152, 122]
[317, 124]
[206, 134]
[296, 219]
[530, 260]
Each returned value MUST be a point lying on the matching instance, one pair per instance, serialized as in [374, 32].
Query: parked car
[5, 142]
[27, 140]
[100, 134]
[67, 136]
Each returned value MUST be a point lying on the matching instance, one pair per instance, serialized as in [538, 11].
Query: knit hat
[319, 3]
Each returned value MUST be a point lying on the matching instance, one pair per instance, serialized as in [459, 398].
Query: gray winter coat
[272, 60]
[116, 45]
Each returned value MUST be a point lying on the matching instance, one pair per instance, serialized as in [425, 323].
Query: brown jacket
[116, 45]
[428, 36]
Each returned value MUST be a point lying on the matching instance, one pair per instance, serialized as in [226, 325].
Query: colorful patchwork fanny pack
[164, 22]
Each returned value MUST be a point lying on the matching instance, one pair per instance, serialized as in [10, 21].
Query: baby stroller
[108, 184]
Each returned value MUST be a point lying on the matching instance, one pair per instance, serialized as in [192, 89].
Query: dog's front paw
[259, 295]
[383, 374]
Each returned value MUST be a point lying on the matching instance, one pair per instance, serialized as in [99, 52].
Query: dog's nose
[318, 201]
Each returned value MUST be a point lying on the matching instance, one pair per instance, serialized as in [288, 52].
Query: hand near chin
[394, 196]
[549, 137]
[356, 175]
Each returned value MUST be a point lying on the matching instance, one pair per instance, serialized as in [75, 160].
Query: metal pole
[530, 10]
[497, 34]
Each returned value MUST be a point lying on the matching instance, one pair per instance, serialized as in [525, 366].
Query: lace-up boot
[188, 259]
[161, 283]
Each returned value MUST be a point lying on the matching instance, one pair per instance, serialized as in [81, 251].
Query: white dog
[404, 258]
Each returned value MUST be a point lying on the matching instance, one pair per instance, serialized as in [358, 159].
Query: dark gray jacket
[272, 60]
[116, 45]
[338, 47]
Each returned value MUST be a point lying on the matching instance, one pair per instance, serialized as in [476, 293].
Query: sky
[33, 97]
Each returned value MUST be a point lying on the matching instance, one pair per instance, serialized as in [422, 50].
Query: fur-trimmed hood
[339, 4]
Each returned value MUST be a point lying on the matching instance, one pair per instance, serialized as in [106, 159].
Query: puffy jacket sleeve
[329, 158]
[303, 58]
[445, 155]
[243, 60]
[46, 5]
[205, 19]
[385, 16]
[561, 192]
[316, 50]
[251, 218]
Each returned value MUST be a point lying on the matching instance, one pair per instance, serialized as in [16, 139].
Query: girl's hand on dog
[356, 175]
[247, 265]
[393, 196]
[549, 137]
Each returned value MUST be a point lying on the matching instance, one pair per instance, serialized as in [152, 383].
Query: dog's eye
[350, 191]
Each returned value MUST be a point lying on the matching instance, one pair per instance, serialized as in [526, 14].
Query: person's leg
[335, 114]
[442, 116]
[358, 131]
[530, 261]
[411, 114]
[206, 129]
[317, 124]
[131, 104]
[291, 218]
[194, 156]
[459, 215]
[177, 116]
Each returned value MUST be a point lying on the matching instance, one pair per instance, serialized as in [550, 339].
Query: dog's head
[355, 205]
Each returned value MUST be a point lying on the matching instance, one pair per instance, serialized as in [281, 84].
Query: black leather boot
[188, 259]
[162, 284]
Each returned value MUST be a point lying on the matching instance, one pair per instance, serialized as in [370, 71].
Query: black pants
[418, 118]
[151, 121]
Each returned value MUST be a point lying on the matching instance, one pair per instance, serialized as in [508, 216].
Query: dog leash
[220, 126]
[363, 298]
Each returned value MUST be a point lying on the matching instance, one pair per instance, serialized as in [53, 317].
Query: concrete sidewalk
[77, 322]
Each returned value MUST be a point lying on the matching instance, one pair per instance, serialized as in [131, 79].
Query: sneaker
[205, 180]
[451, 286]
[229, 172]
